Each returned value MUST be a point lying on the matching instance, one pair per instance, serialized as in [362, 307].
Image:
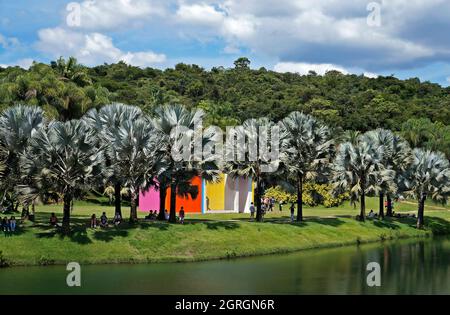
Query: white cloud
[23, 63]
[322, 68]
[143, 59]
[113, 14]
[304, 68]
[203, 21]
[240, 27]
[319, 32]
[8, 42]
[370, 75]
[91, 48]
[324, 31]
[200, 14]
[231, 49]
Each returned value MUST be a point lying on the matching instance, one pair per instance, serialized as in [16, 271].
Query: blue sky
[401, 37]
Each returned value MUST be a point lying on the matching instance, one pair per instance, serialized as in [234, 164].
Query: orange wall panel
[190, 205]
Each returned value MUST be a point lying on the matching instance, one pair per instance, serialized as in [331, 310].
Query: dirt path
[427, 206]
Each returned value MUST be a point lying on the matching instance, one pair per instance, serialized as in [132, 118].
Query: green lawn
[206, 236]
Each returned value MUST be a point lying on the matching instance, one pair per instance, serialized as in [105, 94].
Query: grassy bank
[209, 236]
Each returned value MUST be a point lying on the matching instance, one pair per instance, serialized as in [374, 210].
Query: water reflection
[408, 267]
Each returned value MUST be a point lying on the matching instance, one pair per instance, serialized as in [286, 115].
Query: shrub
[45, 261]
[313, 195]
[3, 261]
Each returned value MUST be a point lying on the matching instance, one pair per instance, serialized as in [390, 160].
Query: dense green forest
[420, 111]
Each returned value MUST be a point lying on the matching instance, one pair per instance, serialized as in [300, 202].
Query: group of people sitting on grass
[373, 215]
[103, 222]
[153, 215]
[8, 226]
[94, 222]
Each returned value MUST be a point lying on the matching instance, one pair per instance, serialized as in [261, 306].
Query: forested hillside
[420, 111]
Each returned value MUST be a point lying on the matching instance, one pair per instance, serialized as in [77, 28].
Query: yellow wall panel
[215, 195]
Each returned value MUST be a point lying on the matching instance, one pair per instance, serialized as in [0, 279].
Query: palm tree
[109, 191]
[307, 148]
[175, 124]
[358, 168]
[17, 125]
[70, 70]
[396, 156]
[135, 147]
[250, 158]
[427, 176]
[65, 158]
[351, 136]
[106, 122]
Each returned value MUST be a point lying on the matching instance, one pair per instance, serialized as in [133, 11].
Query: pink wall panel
[149, 200]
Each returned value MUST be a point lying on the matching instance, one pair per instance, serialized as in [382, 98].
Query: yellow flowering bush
[313, 195]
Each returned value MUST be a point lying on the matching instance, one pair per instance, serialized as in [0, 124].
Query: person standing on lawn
[252, 210]
[182, 215]
[292, 208]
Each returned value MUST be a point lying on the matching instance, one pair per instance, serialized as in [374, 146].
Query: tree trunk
[173, 203]
[381, 214]
[362, 215]
[299, 197]
[257, 200]
[118, 198]
[162, 202]
[133, 207]
[26, 207]
[3, 198]
[420, 214]
[389, 206]
[32, 217]
[66, 213]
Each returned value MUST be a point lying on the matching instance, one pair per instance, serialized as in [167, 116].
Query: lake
[418, 266]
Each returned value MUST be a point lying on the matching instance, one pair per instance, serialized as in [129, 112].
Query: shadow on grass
[335, 221]
[144, 225]
[105, 203]
[227, 225]
[78, 234]
[81, 235]
[107, 235]
[387, 223]
[80, 227]
[19, 231]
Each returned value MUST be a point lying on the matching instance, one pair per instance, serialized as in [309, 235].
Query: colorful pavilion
[230, 194]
